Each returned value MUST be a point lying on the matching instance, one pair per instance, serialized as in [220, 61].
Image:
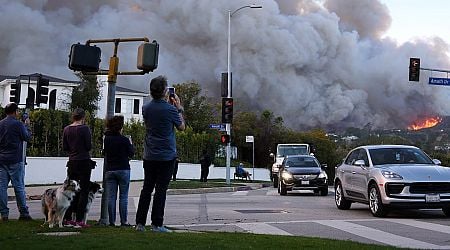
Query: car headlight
[391, 175]
[323, 174]
[286, 176]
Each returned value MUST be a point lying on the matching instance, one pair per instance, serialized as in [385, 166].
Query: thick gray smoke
[315, 63]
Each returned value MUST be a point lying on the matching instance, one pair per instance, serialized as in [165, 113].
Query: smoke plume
[315, 63]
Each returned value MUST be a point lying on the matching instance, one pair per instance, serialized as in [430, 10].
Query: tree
[198, 112]
[87, 94]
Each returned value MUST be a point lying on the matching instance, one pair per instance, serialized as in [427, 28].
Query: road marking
[240, 193]
[378, 235]
[423, 225]
[262, 228]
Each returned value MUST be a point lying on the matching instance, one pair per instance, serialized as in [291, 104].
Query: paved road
[263, 211]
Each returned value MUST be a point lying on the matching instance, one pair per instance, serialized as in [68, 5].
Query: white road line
[423, 225]
[240, 193]
[380, 236]
[262, 228]
[272, 192]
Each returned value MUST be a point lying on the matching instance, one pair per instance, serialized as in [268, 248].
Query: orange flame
[425, 123]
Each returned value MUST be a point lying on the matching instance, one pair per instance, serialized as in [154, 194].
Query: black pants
[157, 175]
[175, 170]
[81, 172]
[204, 174]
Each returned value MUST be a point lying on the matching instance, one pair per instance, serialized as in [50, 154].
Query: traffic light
[414, 69]
[225, 139]
[42, 90]
[227, 110]
[147, 59]
[84, 58]
[14, 93]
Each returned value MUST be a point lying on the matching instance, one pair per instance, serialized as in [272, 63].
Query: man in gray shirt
[161, 116]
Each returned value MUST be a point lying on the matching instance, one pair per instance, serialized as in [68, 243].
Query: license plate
[305, 182]
[432, 198]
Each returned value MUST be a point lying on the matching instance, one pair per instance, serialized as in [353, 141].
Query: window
[136, 107]
[118, 108]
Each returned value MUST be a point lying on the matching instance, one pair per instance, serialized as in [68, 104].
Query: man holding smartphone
[160, 118]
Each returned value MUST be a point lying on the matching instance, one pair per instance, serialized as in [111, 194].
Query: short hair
[158, 86]
[78, 114]
[11, 108]
[115, 123]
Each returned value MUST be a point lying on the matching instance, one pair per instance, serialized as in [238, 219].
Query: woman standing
[118, 150]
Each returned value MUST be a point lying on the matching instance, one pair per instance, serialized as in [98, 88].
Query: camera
[171, 92]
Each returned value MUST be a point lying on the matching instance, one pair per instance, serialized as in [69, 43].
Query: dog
[94, 188]
[56, 201]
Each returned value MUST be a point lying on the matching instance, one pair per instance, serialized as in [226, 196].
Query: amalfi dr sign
[439, 81]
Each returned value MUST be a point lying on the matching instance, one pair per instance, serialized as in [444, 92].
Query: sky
[418, 18]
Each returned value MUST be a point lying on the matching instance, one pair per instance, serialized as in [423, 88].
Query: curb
[184, 191]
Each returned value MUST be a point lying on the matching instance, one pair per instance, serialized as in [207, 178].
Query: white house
[128, 102]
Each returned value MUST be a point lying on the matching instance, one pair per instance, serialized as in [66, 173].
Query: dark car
[302, 172]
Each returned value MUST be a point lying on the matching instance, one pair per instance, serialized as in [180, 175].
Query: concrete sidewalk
[35, 192]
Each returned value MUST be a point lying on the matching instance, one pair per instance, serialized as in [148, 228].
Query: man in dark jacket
[205, 162]
[12, 135]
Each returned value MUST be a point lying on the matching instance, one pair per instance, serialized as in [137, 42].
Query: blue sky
[418, 18]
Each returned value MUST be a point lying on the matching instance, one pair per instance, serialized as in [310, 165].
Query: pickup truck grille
[305, 176]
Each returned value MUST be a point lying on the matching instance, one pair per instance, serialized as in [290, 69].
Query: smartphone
[171, 92]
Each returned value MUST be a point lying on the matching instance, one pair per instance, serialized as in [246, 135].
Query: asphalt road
[263, 211]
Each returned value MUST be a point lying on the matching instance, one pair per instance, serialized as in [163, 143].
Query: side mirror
[437, 162]
[324, 166]
[360, 163]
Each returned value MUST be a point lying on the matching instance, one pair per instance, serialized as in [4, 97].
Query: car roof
[386, 146]
[296, 156]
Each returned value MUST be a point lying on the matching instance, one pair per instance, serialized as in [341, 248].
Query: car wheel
[375, 204]
[324, 191]
[339, 198]
[275, 181]
[282, 187]
[446, 211]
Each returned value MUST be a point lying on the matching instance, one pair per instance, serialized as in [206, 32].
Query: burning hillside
[425, 123]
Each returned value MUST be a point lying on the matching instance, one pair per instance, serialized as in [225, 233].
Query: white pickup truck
[282, 151]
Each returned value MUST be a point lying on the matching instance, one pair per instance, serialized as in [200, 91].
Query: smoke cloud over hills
[315, 63]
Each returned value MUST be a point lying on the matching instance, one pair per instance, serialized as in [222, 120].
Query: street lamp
[228, 125]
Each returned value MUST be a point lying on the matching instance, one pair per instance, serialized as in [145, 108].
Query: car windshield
[302, 162]
[382, 156]
[292, 150]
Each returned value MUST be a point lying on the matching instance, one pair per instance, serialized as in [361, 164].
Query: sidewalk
[35, 192]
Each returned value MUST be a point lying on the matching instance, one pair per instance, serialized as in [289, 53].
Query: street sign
[439, 81]
[249, 138]
[217, 126]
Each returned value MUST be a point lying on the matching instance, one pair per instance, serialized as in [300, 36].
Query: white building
[128, 102]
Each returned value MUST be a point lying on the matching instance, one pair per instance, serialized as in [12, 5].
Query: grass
[28, 235]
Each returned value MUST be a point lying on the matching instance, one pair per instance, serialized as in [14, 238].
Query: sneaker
[161, 229]
[80, 224]
[69, 223]
[125, 225]
[25, 218]
[140, 228]
[112, 224]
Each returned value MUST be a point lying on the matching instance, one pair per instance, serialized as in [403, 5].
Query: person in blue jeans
[161, 116]
[12, 135]
[118, 150]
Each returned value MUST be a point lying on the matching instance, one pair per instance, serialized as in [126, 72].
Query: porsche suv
[302, 172]
[391, 177]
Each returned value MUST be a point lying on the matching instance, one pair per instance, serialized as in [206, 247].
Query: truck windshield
[284, 150]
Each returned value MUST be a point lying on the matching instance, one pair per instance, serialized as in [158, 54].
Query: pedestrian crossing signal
[225, 139]
[414, 69]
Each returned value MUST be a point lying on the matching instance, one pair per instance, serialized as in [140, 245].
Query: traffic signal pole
[112, 73]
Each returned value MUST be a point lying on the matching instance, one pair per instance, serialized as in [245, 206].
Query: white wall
[50, 170]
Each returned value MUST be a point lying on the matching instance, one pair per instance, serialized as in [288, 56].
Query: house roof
[35, 76]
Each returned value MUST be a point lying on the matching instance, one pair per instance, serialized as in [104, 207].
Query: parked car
[392, 177]
[302, 172]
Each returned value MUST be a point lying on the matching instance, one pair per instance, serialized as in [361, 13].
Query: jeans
[118, 179]
[16, 174]
[157, 175]
[80, 171]
[204, 174]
